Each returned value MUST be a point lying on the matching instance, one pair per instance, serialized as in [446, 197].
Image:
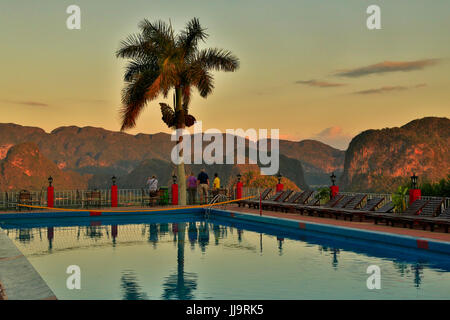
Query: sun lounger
[292, 200]
[312, 202]
[338, 206]
[442, 220]
[391, 218]
[431, 210]
[331, 203]
[370, 206]
[304, 198]
[342, 207]
[255, 203]
[268, 204]
[264, 195]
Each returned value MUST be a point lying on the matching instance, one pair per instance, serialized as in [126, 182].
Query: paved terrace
[365, 225]
[18, 279]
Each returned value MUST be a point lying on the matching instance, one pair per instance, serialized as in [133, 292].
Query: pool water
[188, 257]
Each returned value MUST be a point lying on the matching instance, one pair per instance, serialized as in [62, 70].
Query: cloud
[27, 103]
[320, 84]
[334, 136]
[387, 89]
[387, 66]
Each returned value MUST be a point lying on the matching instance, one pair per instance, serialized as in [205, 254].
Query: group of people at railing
[195, 186]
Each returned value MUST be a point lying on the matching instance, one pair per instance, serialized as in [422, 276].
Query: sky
[311, 69]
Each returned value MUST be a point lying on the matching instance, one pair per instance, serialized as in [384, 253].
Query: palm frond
[138, 66]
[201, 79]
[159, 33]
[189, 38]
[218, 59]
[135, 96]
[134, 46]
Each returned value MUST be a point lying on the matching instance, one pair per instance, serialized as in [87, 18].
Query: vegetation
[323, 194]
[254, 179]
[160, 61]
[439, 189]
[399, 199]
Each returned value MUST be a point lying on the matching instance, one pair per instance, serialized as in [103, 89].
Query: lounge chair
[431, 210]
[391, 218]
[292, 200]
[268, 204]
[264, 195]
[304, 198]
[370, 206]
[442, 220]
[314, 201]
[255, 203]
[341, 207]
[337, 207]
[317, 208]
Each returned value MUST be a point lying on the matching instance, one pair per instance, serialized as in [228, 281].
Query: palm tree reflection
[180, 285]
[131, 290]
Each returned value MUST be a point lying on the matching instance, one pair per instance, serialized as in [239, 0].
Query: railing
[135, 197]
[388, 197]
[76, 198]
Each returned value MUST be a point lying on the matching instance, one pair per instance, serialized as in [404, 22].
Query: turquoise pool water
[188, 257]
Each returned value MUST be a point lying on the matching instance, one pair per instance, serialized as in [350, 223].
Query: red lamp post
[280, 186]
[334, 189]
[174, 190]
[114, 198]
[50, 193]
[239, 186]
[414, 193]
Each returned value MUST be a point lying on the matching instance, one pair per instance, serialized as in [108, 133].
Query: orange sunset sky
[309, 68]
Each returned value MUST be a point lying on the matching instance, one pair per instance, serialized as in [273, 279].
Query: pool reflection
[196, 235]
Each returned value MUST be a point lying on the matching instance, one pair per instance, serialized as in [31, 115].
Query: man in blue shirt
[203, 183]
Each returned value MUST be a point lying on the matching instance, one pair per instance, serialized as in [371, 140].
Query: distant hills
[101, 153]
[380, 160]
[376, 160]
[24, 167]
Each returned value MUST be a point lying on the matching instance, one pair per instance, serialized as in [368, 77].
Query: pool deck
[365, 225]
[18, 279]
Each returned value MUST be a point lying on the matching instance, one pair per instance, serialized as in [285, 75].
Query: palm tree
[159, 62]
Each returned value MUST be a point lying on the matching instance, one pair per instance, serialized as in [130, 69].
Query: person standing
[192, 188]
[216, 184]
[152, 186]
[203, 183]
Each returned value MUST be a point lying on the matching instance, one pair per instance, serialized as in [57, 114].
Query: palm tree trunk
[180, 168]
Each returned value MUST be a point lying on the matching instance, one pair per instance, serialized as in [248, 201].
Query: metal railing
[135, 197]
[388, 197]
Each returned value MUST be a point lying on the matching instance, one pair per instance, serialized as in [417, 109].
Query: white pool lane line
[18, 278]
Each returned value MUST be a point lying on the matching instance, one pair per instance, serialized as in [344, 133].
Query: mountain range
[88, 157]
[381, 160]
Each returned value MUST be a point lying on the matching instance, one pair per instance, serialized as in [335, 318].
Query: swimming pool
[188, 256]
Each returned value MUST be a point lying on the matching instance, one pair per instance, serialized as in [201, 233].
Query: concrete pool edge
[370, 235]
[19, 280]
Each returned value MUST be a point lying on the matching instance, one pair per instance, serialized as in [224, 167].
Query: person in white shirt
[152, 186]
